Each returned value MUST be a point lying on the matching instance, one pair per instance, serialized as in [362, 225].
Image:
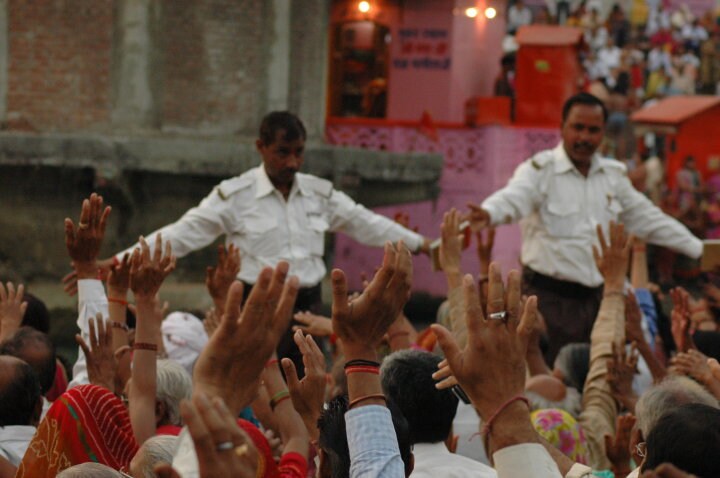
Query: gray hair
[155, 450]
[173, 385]
[669, 394]
[89, 470]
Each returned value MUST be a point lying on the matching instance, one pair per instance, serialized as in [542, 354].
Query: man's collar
[563, 164]
[264, 186]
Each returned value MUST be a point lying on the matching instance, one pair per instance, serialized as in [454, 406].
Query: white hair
[89, 470]
[155, 450]
[669, 394]
[173, 385]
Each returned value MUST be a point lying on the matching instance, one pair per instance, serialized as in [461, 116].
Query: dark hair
[583, 99]
[573, 360]
[406, 378]
[333, 437]
[687, 437]
[20, 394]
[36, 315]
[43, 364]
[285, 121]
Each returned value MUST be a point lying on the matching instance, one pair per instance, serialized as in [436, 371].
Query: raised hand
[696, 365]
[147, 272]
[218, 279]
[362, 323]
[12, 309]
[479, 218]
[83, 242]
[223, 449]
[620, 372]
[633, 319]
[680, 320]
[618, 449]
[612, 259]
[118, 279]
[451, 243]
[491, 368]
[313, 324]
[484, 249]
[308, 394]
[230, 365]
[211, 322]
[101, 361]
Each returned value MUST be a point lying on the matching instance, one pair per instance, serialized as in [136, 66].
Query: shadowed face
[282, 159]
[582, 132]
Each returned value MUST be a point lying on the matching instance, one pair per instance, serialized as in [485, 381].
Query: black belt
[557, 286]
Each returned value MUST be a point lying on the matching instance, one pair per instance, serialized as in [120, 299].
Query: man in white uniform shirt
[273, 212]
[560, 196]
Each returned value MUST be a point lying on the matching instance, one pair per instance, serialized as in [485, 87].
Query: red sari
[86, 424]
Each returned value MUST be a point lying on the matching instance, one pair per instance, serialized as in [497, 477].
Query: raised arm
[83, 245]
[599, 405]
[368, 227]
[645, 220]
[361, 324]
[147, 273]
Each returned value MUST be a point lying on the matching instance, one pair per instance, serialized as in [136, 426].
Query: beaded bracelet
[145, 346]
[119, 325]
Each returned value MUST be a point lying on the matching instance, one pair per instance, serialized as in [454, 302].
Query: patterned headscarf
[86, 424]
[563, 431]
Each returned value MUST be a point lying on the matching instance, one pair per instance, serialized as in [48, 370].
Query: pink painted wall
[472, 59]
[476, 163]
[476, 58]
[420, 65]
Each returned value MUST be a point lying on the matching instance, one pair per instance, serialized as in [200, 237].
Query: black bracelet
[361, 362]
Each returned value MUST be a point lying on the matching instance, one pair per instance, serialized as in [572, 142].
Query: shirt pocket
[562, 219]
[317, 227]
[261, 235]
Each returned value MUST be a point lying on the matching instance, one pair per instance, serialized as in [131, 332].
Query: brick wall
[214, 64]
[60, 55]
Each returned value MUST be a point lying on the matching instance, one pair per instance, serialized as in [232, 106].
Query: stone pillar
[309, 63]
[135, 75]
[4, 52]
[279, 61]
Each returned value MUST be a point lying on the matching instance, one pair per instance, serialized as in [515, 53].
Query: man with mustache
[273, 212]
[560, 196]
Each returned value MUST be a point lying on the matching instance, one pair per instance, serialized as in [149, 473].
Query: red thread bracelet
[119, 325]
[271, 362]
[362, 369]
[378, 396]
[488, 425]
[118, 301]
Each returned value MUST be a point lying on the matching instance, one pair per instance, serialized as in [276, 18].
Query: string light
[471, 12]
[364, 7]
[490, 13]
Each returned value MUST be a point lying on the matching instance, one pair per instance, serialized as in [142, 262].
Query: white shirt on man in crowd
[560, 210]
[266, 228]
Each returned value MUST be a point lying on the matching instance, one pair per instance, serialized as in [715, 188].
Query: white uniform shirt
[433, 460]
[14, 442]
[266, 228]
[561, 208]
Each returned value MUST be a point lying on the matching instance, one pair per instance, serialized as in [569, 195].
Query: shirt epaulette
[615, 165]
[540, 160]
[230, 186]
[321, 186]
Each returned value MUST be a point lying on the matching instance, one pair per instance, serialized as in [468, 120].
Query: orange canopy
[675, 109]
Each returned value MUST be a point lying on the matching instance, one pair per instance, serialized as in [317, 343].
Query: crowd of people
[505, 384]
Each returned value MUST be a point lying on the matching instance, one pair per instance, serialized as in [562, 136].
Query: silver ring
[225, 446]
[497, 315]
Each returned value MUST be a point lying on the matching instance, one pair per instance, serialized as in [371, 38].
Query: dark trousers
[310, 299]
[569, 309]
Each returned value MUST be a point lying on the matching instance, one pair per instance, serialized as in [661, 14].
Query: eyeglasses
[641, 449]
